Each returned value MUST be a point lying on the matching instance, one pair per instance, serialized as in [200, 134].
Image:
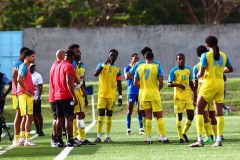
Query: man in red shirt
[59, 57]
[65, 97]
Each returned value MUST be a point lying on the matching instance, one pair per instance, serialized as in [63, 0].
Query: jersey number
[146, 71]
[183, 77]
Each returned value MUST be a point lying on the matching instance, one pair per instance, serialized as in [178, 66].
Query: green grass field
[131, 147]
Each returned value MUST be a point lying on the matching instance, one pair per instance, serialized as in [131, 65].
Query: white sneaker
[141, 132]
[21, 142]
[15, 142]
[29, 143]
[53, 144]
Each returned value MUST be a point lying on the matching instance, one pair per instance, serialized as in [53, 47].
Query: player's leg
[188, 122]
[109, 112]
[179, 106]
[17, 120]
[130, 105]
[148, 113]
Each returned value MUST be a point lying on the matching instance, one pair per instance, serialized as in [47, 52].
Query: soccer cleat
[41, 134]
[97, 140]
[15, 142]
[108, 139]
[54, 144]
[60, 143]
[87, 142]
[21, 142]
[29, 143]
[207, 140]
[128, 132]
[77, 142]
[196, 144]
[71, 143]
[141, 132]
[160, 138]
[181, 140]
[185, 138]
[166, 141]
[148, 142]
[217, 144]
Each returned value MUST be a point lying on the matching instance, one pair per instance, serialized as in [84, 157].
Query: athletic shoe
[196, 144]
[128, 132]
[217, 144]
[41, 134]
[148, 142]
[15, 142]
[166, 141]
[97, 140]
[21, 142]
[207, 140]
[29, 143]
[71, 143]
[77, 142]
[53, 144]
[222, 137]
[181, 140]
[87, 142]
[141, 132]
[108, 139]
[185, 138]
[60, 143]
[160, 138]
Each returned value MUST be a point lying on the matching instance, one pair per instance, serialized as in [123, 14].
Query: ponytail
[212, 42]
[216, 52]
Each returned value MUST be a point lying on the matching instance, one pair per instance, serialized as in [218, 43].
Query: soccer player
[80, 91]
[209, 111]
[213, 65]
[25, 92]
[132, 97]
[130, 74]
[18, 118]
[109, 80]
[150, 80]
[65, 97]
[180, 77]
[59, 57]
[37, 113]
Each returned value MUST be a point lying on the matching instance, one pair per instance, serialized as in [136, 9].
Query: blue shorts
[132, 98]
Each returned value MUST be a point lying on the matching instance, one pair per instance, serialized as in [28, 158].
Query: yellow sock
[199, 124]
[16, 137]
[187, 125]
[82, 133]
[100, 124]
[157, 126]
[207, 128]
[22, 134]
[179, 128]
[27, 135]
[74, 128]
[108, 124]
[214, 129]
[149, 127]
[220, 125]
[144, 123]
[162, 126]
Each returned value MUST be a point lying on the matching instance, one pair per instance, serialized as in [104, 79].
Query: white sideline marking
[67, 150]
[13, 146]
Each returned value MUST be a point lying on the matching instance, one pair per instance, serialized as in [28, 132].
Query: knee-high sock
[157, 126]
[108, 124]
[220, 125]
[100, 124]
[75, 129]
[187, 125]
[144, 123]
[128, 120]
[22, 134]
[149, 127]
[199, 124]
[162, 126]
[214, 130]
[179, 128]
[207, 128]
[140, 123]
[82, 133]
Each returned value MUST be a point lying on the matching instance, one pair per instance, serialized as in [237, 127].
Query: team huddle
[203, 87]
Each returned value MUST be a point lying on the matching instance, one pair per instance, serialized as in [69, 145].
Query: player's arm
[160, 83]
[228, 67]
[204, 64]
[171, 83]
[195, 82]
[100, 68]
[21, 83]
[194, 91]
[70, 87]
[14, 78]
[119, 87]
[136, 81]
[126, 71]
[85, 95]
[8, 90]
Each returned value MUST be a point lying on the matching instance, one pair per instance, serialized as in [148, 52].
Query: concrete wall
[165, 40]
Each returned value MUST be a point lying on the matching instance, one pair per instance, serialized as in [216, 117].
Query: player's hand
[75, 101]
[182, 87]
[108, 61]
[86, 103]
[119, 102]
[28, 93]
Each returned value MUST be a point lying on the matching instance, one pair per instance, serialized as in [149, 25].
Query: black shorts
[64, 108]
[54, 106]
[37, 107]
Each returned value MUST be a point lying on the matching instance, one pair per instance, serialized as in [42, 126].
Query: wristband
[103, 65]
[120, 97]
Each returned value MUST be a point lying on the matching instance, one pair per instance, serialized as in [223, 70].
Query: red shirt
[60, 84]
[51, 82]
[25, 73]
